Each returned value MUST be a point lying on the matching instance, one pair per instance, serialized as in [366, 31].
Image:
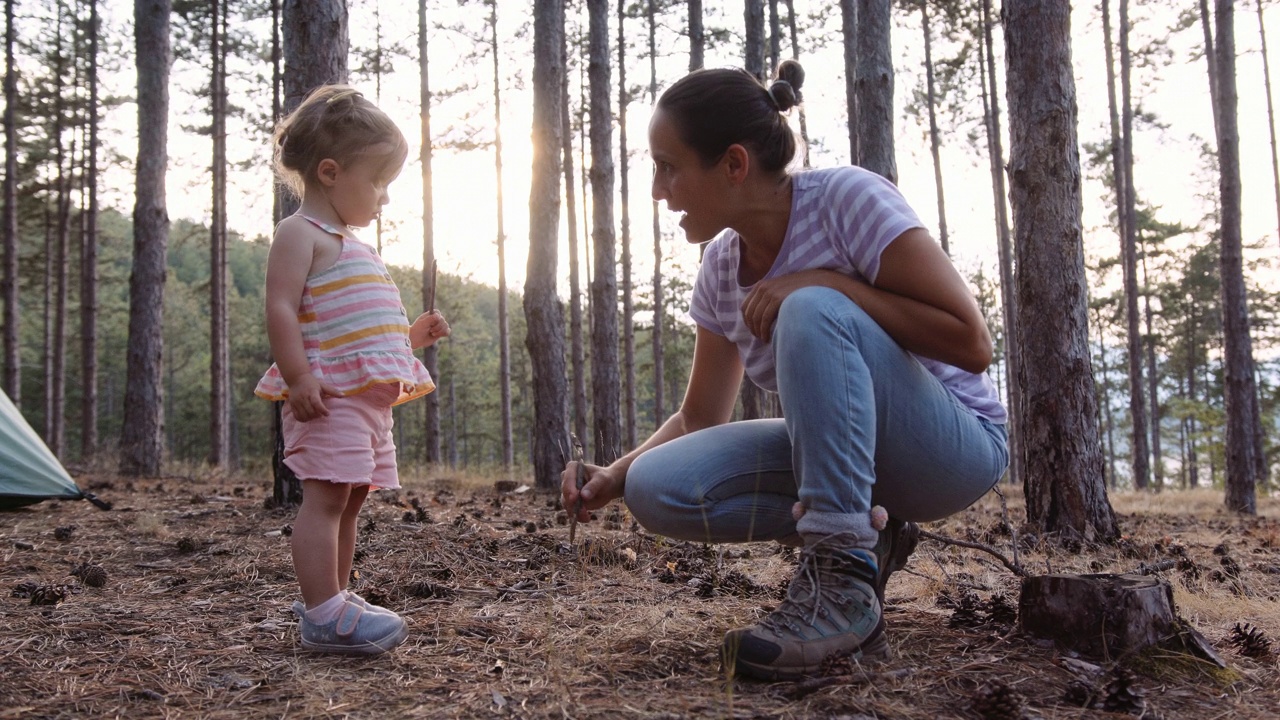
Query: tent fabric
[29, 472]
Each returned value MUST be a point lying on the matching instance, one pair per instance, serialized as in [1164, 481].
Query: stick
[431, 294]
[580, 480]
[1015, 569]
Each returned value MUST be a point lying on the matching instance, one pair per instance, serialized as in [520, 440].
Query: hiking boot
[356, 631]
[897, 541]
[830, 609]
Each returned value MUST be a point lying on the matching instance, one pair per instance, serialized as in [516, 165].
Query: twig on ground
[859, 677]
[1014, 568]
[1145, 569]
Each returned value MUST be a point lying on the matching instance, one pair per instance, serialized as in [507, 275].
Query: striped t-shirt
[842, 219]
[354, 328]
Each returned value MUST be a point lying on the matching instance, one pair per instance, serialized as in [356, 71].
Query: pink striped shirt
[354, 328]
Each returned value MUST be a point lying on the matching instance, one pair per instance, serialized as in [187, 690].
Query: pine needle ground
[508, 619]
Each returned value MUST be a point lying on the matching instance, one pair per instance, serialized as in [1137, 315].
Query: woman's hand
[428, 328]
[761, 306]
[306, 397]
[600, 487]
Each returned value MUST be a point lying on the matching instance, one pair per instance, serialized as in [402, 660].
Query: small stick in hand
[431, 292]
[579, 481]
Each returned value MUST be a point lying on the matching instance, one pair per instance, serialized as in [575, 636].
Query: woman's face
[682, 180]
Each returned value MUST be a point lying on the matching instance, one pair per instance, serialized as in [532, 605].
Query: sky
[1170, 172]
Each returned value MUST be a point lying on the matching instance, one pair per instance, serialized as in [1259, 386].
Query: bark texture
[874, 87]
[605, 382]
[1064, 485]
[142, 437]
[543, 310]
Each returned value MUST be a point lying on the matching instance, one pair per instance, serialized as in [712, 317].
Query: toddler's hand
[428, 328]
[306, 397]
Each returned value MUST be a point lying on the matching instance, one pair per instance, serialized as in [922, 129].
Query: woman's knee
[643, 493]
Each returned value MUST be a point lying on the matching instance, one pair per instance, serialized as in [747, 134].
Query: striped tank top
[354, 328]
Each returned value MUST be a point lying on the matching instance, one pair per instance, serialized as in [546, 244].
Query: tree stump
[1105, 616]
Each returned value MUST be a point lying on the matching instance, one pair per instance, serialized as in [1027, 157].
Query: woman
[826, 289]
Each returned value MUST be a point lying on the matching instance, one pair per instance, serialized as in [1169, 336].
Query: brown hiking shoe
[897, 541]
[830, 609]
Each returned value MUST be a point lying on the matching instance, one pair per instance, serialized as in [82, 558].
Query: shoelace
[808, 579]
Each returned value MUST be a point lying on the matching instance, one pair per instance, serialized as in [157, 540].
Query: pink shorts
[352, 444]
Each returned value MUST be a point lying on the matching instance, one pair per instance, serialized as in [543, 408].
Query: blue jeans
[865, 423]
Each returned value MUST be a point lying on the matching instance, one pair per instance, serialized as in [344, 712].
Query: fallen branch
[1013, 567]
[861, 677]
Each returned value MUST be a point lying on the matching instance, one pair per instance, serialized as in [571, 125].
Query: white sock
[327, 611]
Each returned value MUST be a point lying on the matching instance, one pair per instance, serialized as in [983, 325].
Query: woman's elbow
[979, 354]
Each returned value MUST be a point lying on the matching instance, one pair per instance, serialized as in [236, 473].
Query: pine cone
[64, 533]
[997, 701]
[91, 575]
[23, 589]
[48, 595]
[1001, 611]
[1250, 641]
[187, 545]
[1122, 695]
[967, 612]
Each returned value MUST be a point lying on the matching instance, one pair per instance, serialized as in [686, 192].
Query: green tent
[29, 472]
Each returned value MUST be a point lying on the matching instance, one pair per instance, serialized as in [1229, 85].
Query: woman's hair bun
[785, 90]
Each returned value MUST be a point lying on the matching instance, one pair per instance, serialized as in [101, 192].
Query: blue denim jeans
[865, 423]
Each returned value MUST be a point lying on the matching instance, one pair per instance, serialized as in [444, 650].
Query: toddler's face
[360, 188]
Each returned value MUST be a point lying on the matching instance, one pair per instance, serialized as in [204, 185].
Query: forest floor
[508, 619]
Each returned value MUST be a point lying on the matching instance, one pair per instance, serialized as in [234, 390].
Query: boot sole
[874, 650]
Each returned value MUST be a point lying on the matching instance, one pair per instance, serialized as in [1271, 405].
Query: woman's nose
[657, 189]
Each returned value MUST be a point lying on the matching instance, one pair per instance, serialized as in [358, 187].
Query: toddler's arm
[287, 266]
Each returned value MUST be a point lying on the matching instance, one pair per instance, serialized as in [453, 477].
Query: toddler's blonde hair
[337, 122]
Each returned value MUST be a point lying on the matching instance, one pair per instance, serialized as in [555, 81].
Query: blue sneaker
[831, 609]
[356, 631]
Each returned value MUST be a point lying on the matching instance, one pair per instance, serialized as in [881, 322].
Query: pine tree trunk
[1064, 480]
[697, 38]
[1153, 380]
[754, 37]
[89, 263]
[141, 442]
[220, 366]
[628, 306]
[577, 355]
[1106, 416]
[795, 53]
[1004, 247]
[1210, 58]
[12, 384]
[542, 307]
[1129, 261]
[314, 48]
[1271, 114]
[430, 354]
[659, 372]
[849, 36]
[874, 86]
[775, 37]
[934, 140]
[1245, 462]
[504, 340]
[604, 285]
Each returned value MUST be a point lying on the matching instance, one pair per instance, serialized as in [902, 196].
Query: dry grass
[508, 619]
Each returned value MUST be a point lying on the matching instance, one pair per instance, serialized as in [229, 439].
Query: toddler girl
[343, 348]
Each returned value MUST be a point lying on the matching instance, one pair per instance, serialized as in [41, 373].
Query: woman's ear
[327, 171]
[736, 163]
